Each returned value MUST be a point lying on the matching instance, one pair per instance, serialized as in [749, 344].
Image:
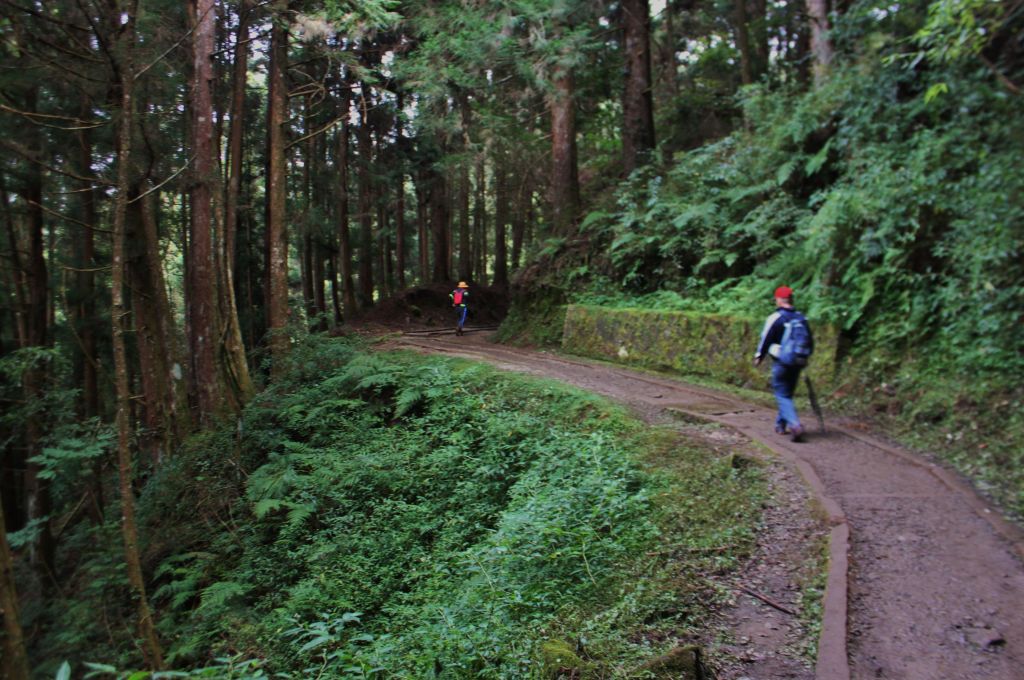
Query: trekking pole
[814, 402]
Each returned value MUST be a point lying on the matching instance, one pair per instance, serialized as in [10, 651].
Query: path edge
[832, 662]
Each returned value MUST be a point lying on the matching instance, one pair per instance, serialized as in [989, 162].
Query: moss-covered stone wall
[714, 345]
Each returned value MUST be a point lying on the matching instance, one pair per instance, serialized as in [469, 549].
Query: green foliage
[895, 213]
[536, 319]
[394, 515]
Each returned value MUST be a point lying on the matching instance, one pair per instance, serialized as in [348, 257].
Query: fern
[217, 596]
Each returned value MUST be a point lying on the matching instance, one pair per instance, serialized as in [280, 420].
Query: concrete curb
[832, 662]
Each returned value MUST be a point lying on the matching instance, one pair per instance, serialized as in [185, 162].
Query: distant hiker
[459, 298]
[787, 338]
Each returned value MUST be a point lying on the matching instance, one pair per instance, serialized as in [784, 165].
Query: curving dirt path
[925, 581]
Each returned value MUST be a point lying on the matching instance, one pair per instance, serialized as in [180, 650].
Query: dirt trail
[935, 581]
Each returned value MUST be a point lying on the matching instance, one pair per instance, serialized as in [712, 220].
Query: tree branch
[31, 116]
[315, 133]
[157, 187]
[31, 157]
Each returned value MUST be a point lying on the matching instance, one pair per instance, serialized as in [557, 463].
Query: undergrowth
[390, 515]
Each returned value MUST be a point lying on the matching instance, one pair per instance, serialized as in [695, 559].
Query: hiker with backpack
[459, 298]
[787, 339]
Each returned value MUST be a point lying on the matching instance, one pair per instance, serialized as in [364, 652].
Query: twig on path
[767, 600]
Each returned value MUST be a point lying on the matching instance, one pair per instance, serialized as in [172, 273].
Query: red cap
[784, 292]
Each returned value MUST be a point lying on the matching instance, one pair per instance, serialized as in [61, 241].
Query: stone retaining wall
[713, 345]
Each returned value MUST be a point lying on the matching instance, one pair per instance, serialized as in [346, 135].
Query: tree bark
[565, 186]
[821, 44]
[18, 276]
[669, 89]
[480, 221]
[308, 250]
[637, 99]
[344, 237]
[400, 246]
[465, 188]
[83, 306]
[422, 225]
[364, 140]
[501, 213]
[14, 661]
[147, 629]
[743, 42]
[332, 274]
[524, 196]
[277, 231]
[236, 365]
[164, 396]
[201, 312]
[37, 489]
[439, 233]
[758, 24]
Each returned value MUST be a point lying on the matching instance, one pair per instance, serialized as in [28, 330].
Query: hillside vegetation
[417, 517]
[891, 197]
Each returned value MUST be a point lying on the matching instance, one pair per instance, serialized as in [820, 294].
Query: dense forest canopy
[189, 189]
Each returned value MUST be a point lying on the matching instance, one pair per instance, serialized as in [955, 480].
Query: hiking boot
[780, 429]
[797, 434]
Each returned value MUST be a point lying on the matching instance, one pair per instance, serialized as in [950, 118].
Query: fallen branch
[767, 600]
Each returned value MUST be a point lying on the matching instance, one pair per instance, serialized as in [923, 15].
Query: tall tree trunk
[669, 90]
[365, 144]
[565, 186]
[400, 246]
[14, 660]
[277, 232]
[332, 274]
[480, 221]
[387, 273]
[318, 165]
[465, 188]
[12, 465]
[345, 254]
[637, 99]
[308, 250]
[147, 628]
[523, 198]
[235, 363]
[37, 488]
[821, 44]
[83, 306]
[743, 42]
[465, 236]
[422, 224]
[439, 226]
[164, 394]
[501, 212]
[19, 279]
[203, 323]
[759, 38]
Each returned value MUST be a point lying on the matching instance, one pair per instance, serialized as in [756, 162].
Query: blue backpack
[795, 347]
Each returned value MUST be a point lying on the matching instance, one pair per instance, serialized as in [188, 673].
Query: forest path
[933, 586]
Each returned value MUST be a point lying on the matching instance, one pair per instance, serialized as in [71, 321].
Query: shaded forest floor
[935, 583]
